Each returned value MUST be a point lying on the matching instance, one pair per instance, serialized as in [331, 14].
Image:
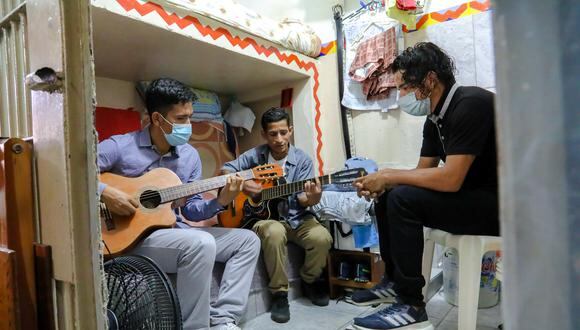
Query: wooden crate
[373, 260]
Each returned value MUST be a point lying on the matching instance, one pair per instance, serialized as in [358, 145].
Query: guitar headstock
[347, 176]
[268, 172]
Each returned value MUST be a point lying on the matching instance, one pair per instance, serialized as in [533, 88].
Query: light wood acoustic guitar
[154, 191]
[244, 212]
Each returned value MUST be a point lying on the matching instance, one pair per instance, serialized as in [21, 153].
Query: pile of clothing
[340, 203]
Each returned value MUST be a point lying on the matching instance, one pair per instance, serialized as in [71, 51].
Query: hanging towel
[239, 115]
[353, 97]
[373, 56]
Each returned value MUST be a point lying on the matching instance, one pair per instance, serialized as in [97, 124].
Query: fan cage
[140, 295]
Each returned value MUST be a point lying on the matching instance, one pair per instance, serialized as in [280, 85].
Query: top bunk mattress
[291, 34]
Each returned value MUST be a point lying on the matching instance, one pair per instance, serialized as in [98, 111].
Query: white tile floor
[305, 316]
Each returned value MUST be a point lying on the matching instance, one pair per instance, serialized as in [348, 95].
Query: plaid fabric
[371, 61]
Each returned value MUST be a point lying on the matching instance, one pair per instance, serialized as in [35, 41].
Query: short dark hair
[163, 93]
[417, 61]
[274, 115]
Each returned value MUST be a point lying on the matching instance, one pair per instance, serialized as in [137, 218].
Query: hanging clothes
[357, 31]
[372, 58]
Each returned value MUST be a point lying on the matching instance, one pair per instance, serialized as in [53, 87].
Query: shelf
[350, 283]
[372, 260]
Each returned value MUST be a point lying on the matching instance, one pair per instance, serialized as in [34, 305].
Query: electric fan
[140, 295]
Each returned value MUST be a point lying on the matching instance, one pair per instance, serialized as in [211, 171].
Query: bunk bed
[136, 40]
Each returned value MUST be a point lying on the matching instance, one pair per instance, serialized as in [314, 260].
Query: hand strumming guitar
[312, 193]
[252, 189]
[233, 187]
[118, 202]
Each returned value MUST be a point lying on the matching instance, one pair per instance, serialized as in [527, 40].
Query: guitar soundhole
[150, 199]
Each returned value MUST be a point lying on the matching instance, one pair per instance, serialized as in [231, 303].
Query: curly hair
[162, 93]
[417, 61]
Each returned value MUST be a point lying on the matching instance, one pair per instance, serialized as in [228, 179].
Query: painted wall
[119, 94]
[248, 141]
[333, 151]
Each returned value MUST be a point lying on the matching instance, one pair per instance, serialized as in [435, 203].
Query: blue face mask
[414, 107]
[180, 133]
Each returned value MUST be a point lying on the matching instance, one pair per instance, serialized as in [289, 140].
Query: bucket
[488, 287]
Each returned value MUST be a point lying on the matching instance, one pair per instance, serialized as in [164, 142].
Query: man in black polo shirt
[459, 197]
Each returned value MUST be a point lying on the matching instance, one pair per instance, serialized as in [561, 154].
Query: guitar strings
[285, 189]
[172, 193]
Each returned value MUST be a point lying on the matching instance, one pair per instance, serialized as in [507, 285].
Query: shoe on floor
[378, 294]
[316, 292]
[397, 316]
[225, 326]
[280, 311]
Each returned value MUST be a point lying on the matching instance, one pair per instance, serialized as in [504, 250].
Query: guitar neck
[192, 188]
[291, 188]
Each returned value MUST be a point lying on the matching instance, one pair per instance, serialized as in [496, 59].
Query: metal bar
[15, 116]
[11, 82]
[5, 20]
[23, 112]
[339, 54]
[4, 89]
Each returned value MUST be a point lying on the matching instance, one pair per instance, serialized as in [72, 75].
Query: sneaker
[280, 311]
[378, 294]
[396, 316]
[225, 326]
[316, 292]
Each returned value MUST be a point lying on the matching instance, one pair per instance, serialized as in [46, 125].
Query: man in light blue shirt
[300, 226]
[188, 252]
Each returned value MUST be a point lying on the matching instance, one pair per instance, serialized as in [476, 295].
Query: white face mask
[414, 107]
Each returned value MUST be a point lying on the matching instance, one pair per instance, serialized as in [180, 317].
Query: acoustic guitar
[154, 191]
[244, 212]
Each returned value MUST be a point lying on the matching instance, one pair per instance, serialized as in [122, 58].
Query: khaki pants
[310, 235]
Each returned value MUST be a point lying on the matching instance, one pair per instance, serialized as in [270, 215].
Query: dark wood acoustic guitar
[244, 212]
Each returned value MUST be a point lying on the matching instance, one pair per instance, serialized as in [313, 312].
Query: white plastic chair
[470, 249]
